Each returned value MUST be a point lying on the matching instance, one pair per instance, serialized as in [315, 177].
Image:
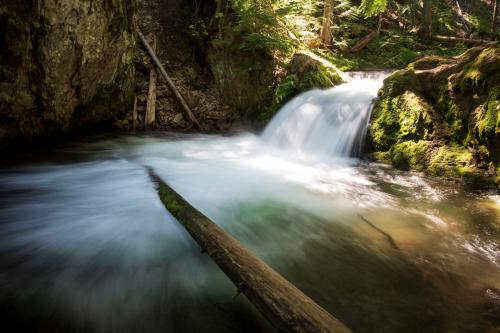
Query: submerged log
[170, 83]
[150, 116]
[285, 306]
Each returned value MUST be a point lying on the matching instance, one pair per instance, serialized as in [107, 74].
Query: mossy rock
[442, 116]
[304, 72]
[310, 71]
[400, 118]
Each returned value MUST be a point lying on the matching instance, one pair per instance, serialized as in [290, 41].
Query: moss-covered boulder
[64, 64]
[442, 116]
[305, 71]
[308, 71]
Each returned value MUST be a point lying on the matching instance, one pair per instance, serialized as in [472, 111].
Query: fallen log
[467, 41]
[134, 114]
[170, 83]
[364, 42]
[150, 116]
[285, 306]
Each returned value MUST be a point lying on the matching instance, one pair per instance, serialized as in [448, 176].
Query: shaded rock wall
[64, 64]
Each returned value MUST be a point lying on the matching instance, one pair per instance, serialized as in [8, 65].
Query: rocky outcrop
[64, 64]
[442, 116]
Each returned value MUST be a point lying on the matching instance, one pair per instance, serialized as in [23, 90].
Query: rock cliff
[64, 64]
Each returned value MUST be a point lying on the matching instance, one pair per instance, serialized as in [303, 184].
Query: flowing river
[86, 245]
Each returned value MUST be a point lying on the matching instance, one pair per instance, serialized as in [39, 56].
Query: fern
[371, 8]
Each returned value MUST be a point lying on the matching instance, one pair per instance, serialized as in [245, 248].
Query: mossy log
[285, 306]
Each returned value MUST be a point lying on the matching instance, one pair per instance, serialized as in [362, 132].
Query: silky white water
[329, 122]
[86, 245]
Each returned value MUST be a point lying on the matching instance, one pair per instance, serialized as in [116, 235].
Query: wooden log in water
[170, 83]
[150, 116]
[285, 306]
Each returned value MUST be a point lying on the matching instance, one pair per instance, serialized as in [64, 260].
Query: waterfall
[329, 122]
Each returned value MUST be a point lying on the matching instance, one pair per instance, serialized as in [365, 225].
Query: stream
[86, 245]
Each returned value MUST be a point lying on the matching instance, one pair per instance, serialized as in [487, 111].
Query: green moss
[304, 72]
[451, 161]
[451, 114]
[454, 137]
[410, 155]
[399, 82]
[398, 119]
[170, 201]
[482, 72]
[488, 117]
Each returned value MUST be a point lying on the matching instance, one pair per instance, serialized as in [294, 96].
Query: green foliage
[446, 21]
[399, 119]
[254, 26]
[410, 155]
[371, 8]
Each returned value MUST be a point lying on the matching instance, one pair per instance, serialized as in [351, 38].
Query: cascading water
[328, 122]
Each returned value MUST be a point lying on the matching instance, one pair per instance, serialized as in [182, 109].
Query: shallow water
[85, 244]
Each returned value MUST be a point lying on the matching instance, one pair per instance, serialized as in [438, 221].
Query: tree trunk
[285, 306]
[150, 116]
[326, 32]
[426, 23]
[494, 21]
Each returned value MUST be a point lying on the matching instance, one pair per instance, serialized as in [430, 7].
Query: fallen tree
[285, 306]
[170, 83]
[466, 41]
[150, 116]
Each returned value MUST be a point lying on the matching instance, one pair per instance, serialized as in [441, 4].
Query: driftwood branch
[170, 83]
[285, 306]
[150, 116]
[385, 234]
